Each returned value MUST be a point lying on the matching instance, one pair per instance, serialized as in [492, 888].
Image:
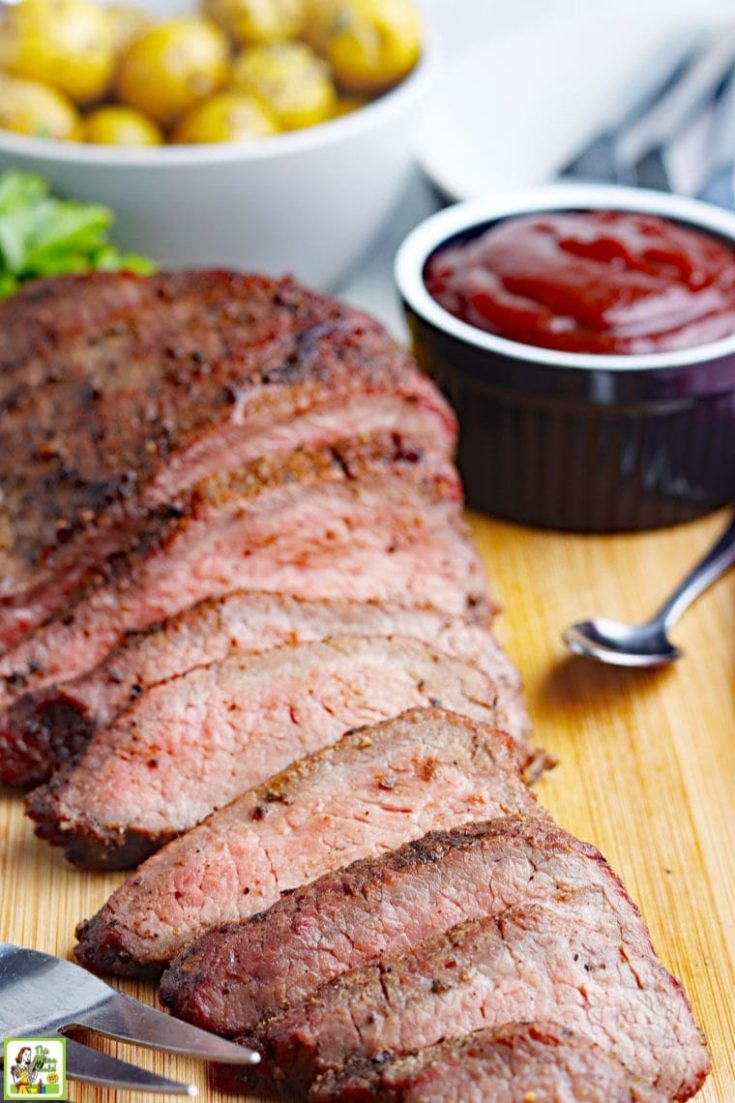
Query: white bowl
[307, 202]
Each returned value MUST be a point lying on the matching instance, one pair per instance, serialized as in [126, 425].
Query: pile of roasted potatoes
[77, 70]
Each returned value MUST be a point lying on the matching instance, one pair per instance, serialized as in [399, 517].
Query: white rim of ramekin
[326, 134]
[430, 235]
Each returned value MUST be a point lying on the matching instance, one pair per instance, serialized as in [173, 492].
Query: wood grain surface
[647, 767]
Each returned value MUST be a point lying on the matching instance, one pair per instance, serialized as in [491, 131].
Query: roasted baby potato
[370, 44]
[172, 67]
[345, 105]
[32, 108]
[293, 82]
[303, 62]
[225, 118]
[127, 23]
[120, 126]
[255, 21]
[67, 44]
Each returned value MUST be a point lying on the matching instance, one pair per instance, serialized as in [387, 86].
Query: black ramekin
[568, 440]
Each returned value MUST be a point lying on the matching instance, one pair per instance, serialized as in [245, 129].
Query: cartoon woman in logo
[24, 1072]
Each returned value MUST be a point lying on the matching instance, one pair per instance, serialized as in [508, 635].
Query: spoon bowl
[610, 641]
[648, 645]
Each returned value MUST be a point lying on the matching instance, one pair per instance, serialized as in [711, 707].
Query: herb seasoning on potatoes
[239, 69]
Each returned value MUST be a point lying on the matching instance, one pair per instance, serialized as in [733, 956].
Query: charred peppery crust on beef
[45, 314]
[43, 730]
[568, 961]
[236, 976]
[40, 733]
[376, 788]
[367, 519]
[193, 744]
[201, 324]
[518, 1063]
[109, 410]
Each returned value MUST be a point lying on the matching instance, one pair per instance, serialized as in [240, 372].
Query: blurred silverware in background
[719, 181]
[635, 151]
[600, 159]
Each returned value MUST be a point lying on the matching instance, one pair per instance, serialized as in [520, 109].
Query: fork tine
[93, 1067]
[130, 1021]
[81, 999]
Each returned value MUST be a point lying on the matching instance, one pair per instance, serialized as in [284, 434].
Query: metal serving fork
[41, 995]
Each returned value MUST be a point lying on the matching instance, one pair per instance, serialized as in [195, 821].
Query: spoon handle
[718, 559]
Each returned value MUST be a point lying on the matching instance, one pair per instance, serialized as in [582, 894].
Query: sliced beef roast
[44, 729]
[517, 1063]
[235, 976]
[567, 962]
[118, 393]
[374, 789]
[45, 314]
[195, 743]
[370, 519]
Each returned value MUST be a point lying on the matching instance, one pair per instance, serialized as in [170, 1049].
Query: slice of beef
[42, 730]
[235, 976]
[195, 743]
[45, 314]
[373, 790]
[517, 1063]
[370, 519]
[113, 410]
[567, 962]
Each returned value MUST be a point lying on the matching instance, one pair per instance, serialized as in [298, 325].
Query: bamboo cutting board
[647, 767]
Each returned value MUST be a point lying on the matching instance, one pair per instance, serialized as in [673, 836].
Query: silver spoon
[648, 644]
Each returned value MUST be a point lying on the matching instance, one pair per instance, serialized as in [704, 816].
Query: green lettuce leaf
[41, 235]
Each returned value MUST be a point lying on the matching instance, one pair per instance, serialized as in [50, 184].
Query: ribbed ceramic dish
[571, 441]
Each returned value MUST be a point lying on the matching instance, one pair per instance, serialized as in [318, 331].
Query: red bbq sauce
[591, 282]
